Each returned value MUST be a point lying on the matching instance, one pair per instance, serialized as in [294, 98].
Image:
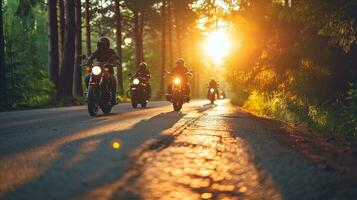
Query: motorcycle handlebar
[169, 74]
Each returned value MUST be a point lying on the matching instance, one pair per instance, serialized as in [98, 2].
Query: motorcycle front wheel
[212, 99]
[92, 106]
[144, 103]
[106, 98]
[107, 109]
[134, 101]
[177, 103]
[177, 106]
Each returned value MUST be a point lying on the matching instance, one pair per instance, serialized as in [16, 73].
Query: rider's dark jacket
[143, 72]
[213, 84]
[180, 71]
[104, 55]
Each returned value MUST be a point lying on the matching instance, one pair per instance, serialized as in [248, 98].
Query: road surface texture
[204, 152]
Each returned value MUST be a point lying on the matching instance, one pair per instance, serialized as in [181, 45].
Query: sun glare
[217, 45]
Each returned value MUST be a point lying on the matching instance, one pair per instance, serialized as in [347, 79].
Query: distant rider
[182, 71]
[213, 84]
[104, 54]
[144, 74]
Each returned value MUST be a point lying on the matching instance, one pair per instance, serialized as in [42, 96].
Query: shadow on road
[296, 177]
[41, 130]
[87, 163]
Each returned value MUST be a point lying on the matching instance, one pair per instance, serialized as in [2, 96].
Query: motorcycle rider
[144, 74]
[104, 54]
[213, 84]
[180, 70]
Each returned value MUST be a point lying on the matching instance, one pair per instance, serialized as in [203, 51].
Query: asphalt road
[204, 152]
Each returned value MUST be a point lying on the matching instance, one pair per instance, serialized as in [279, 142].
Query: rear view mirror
[82, 57]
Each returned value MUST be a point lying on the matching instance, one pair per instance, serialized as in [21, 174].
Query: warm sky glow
[217, 45]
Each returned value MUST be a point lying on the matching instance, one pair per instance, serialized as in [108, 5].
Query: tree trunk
[163, 49]
[141, 36]
[77, 75]
[66, 77]
[119, 50]
[53, 42]
[2, 62]
[169, 7]
[61, 32]
[88, 40]
[138, 45]
[178, 31]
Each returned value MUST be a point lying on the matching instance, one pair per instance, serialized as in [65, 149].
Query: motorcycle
[139, 93]
[212, 94]
[222, 94]
[99, 94]
[178, 96]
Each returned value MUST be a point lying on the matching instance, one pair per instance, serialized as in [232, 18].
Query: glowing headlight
[177, 81]
[96, 70]
[212, 90]
[136, 81]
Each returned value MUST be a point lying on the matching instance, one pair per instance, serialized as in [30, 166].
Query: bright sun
[217, 45]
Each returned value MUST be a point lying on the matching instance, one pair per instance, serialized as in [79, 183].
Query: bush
[348, 127]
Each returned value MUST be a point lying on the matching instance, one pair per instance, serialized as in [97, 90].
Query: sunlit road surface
[204, 152]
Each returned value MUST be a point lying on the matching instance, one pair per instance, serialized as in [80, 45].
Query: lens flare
[218, 45]
[116, 145]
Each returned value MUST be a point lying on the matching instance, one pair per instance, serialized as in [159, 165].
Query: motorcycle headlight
[136, 81]
[212, 90]
[177, 81]
[96, 70]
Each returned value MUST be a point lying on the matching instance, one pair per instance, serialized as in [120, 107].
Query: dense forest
[294, 60]
[298, 62]
[43, 42]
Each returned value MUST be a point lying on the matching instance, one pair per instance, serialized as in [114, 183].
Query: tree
[178, 28]
[53, 42]
[169, 24]
[61, 29]
[88, 31]
[2, 61]
[66, 76]
[138, 31]
[77, 75]
[119, 48]
[139, 8]
[163, 48]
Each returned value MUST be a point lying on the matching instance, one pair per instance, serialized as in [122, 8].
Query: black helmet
[180, 62]
[103, 43]
[143, 65]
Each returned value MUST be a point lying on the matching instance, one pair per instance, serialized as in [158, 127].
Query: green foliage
[296, 63]
[349, 114]
[276, 106]
[26, 44]
[26, 55]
